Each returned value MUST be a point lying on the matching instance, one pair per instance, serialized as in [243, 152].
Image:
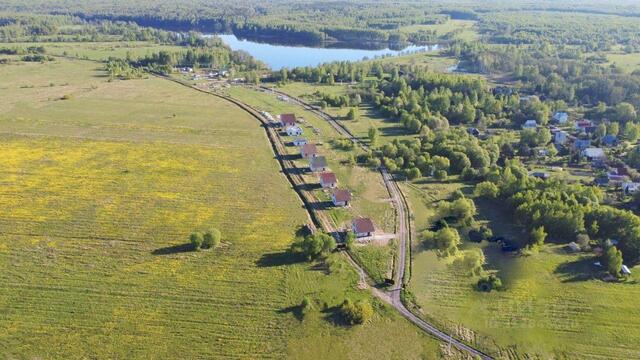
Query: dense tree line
[555, 72]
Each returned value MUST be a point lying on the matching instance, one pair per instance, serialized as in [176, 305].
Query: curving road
[391, 296]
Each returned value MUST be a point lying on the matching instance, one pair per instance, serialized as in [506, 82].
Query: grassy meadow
[102, 182]
[554, 304]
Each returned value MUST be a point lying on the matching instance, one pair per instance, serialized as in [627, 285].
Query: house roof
[342, 195]
[300, 140]
[583, 123]
[363, 225]
[319, 161]
[594, 152]
[609, 139]
[309, 149]
[288, 118]
[328, 177]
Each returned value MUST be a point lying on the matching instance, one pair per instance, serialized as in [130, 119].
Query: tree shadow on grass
[296, 310]
[576, 271]
[278, 259]
[334, 316]
[174, 249]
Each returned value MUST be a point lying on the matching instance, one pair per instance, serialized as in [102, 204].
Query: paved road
[392, 296]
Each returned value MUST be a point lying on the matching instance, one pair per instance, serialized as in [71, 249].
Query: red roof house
[288, 119]
[363, 227]
[341, 197]
[328, 180]
[308, 151]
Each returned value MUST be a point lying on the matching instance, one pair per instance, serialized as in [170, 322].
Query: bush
[306, 306]
[440, 175]
[211, 239]
[487, 190]
[445, 240]
[196, 240]
[356, 313]
[314, 246]
[481, 233]
[488, 283]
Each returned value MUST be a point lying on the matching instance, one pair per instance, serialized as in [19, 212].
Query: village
[289, 125]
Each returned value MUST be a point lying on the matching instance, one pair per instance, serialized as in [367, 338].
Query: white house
[593, 153]
[340, 197]
[530, 124]
[630, 187]
[560, 117]
[318, 163]
[294, 131]
[299, 142]
[363, 227]
[328, 180]
[561, 138]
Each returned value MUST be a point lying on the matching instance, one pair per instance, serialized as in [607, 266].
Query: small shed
[540, 175]
[294, 131]
[560, 117]
[363, 227]
[573, 247]
[318, 163]
[299, 141]
[341, 197]
[309, 151]
[610, 140]
[328, 180]
[530, 124]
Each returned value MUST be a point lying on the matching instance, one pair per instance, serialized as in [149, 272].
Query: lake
[279, 56]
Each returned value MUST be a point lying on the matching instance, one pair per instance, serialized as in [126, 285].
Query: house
[540, 175]
[583, 125]
[625, 270]
[617, 180]
[294, 131]
[328, 180]
[593, 154]
[630, 187]
[609, 140]
[362, 227]
[288, 120]
[573, 247]
[560, 117]
[318, 163]
[308, 151]
[473, 131]
[561, 138]
[530, 124]
[341, 197]
[581, 144]
[299, 142]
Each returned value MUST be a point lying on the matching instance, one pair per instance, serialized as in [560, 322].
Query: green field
[554, 305]
[100, 192]
[98, 50]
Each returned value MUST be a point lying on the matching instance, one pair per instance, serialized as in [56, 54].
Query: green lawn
[99, 194]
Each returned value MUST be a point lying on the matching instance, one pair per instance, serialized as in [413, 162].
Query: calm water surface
[279, 56]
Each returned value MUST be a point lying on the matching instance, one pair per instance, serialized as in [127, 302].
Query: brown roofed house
[341, 197]
[363, 227]
[309, 151]
[328, 180]
[288, 119]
